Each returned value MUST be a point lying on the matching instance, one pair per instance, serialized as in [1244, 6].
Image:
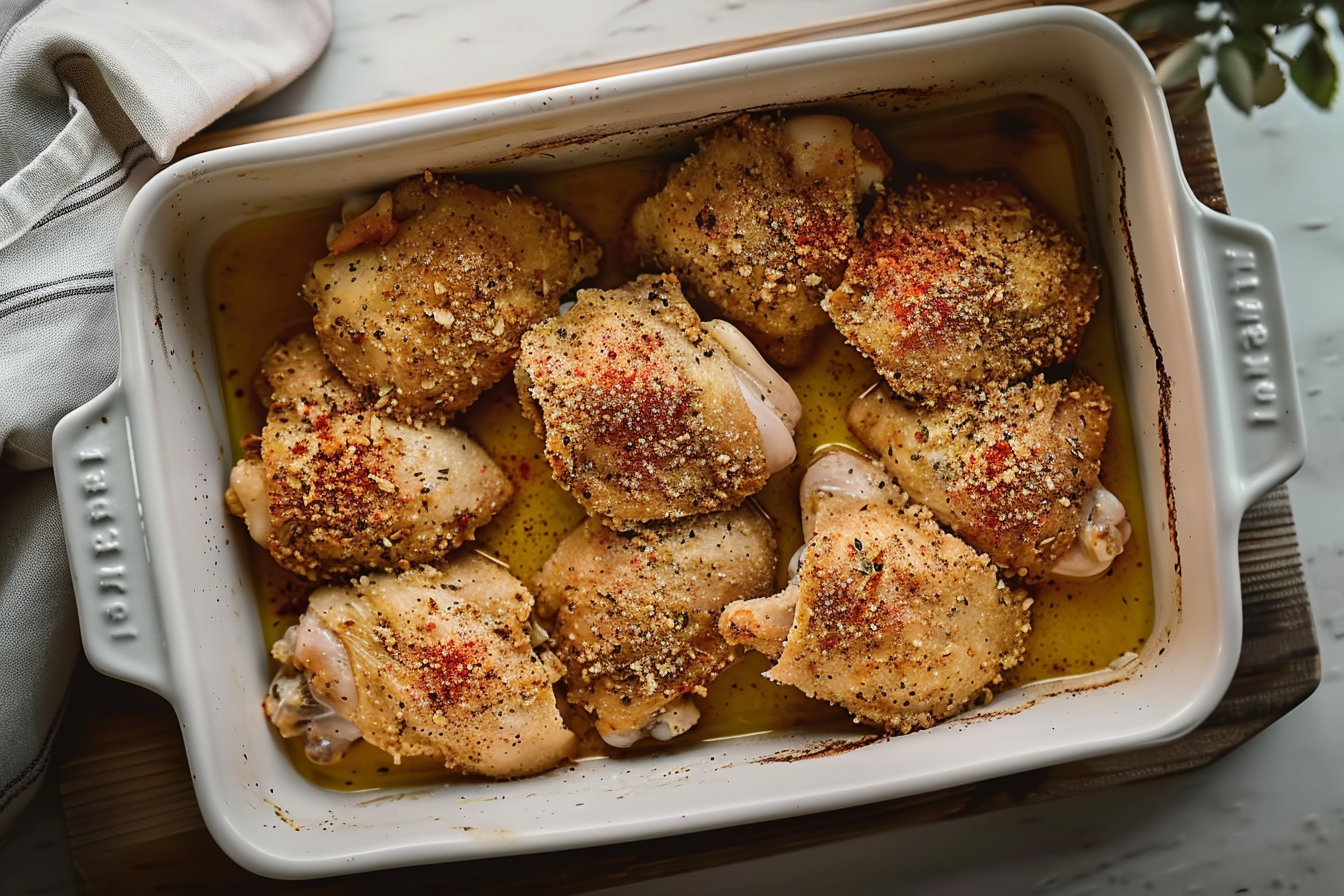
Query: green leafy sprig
[1256, 47]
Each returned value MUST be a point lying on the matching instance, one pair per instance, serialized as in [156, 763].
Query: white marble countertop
[1268, 817]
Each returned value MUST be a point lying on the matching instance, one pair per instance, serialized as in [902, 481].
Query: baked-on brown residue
[956, 282]
[638, 406]
[1159, 366]
[820, 749]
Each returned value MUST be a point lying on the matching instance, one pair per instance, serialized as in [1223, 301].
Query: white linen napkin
[95, 96]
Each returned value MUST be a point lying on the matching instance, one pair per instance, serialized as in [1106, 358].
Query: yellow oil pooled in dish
[254, 276]
[1083, 626]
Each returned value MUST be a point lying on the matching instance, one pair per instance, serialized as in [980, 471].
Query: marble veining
[409, 47]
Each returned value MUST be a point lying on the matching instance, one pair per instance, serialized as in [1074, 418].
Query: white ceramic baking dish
[165, 594]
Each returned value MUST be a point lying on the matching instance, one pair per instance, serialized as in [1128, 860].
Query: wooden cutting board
[132, 816]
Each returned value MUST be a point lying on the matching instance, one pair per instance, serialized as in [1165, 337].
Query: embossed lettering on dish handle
[109, 562]
[1254, 356]
[102, 516]
[1253, 335]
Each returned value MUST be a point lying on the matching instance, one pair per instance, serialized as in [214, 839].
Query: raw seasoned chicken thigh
[957, 282]
[645, 413]
[760, 221]
[332, 488]
[1013, 471]
[424, 298]
[433, 662]
[893, 619]
[636, 615]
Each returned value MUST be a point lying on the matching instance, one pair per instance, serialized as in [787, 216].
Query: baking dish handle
[94, 463]
[1255, 356]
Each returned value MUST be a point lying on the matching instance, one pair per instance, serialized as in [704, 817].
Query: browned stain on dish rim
[1159, 365]
[701, 124]
[822, 748]
[283, 815]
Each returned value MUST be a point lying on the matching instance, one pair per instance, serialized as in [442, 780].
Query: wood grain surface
[134, 826]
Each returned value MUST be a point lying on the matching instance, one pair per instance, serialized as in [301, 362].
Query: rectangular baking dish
[164, 590]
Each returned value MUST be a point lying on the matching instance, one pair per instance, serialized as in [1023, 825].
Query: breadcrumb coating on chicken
[425, 322]
[638, 407]
[444, 667]
[957, 282]
[746, 231]
[1006, 469]
[350, 491]
[897, 621]
[297, 368]
[636, 613]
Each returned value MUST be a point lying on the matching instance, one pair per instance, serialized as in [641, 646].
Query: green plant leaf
[1243, 36]
[1182, 64]
[1255, 48]
[1177, 19]
[1270, 85]
[1255, 14]
[1314, 71]
[1236, 75]
[1191, 103]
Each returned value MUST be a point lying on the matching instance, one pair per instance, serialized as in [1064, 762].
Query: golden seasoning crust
[444, 667]
[349, 490]
[322, 474]
[297, 368]
[959, 282]
[897, 621]
[636, 613]
[638, 407]
[749, 235]
[426, 322]
[1005, 469]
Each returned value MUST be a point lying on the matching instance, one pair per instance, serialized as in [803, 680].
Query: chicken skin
[646, 413]
[893, 619]
[332, 488]
[957, 282]
[297, 369]
[1015, 472]
[422, 311]
[433, 662]
[636, 615]
[760, 221]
